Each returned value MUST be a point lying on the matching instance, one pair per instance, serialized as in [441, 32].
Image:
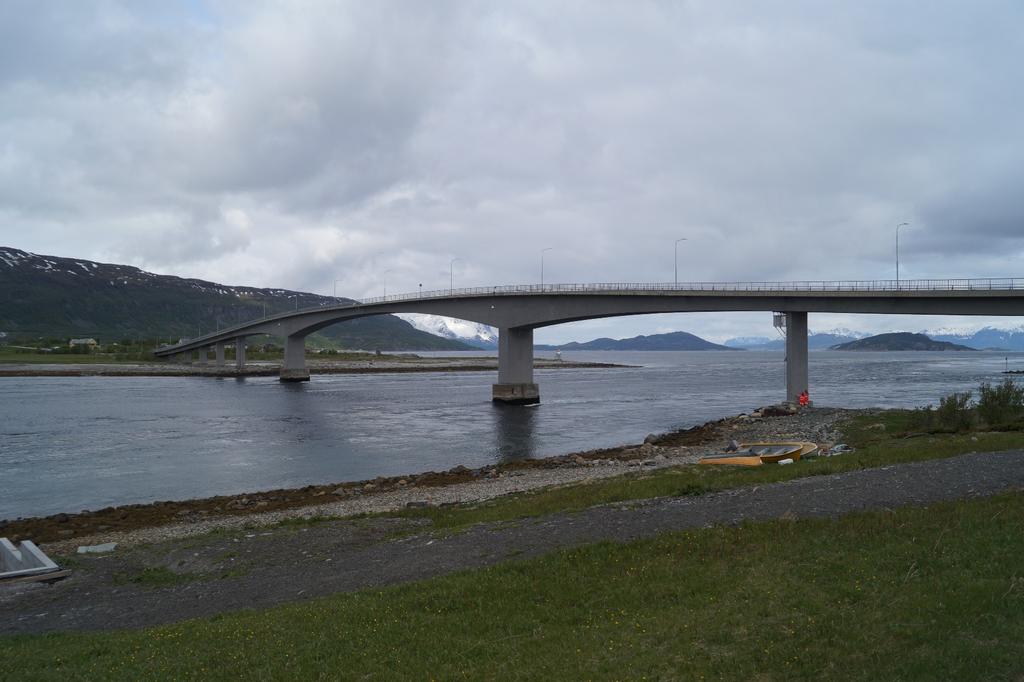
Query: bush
[954, 413]
[1001, 405]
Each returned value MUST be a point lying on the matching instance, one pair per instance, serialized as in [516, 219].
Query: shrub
[921, 419]
[1000, 405]
[954, 413]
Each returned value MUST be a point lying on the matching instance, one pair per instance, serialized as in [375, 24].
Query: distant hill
[814, 342]
[671, 341]
[900, 341]
[51, 297]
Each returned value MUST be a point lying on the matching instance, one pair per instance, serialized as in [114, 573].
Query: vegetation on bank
[998, 407]
[930, 593]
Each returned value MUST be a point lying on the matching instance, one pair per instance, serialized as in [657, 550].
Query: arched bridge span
[517, 310]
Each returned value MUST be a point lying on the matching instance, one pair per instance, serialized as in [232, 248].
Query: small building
[90, 343]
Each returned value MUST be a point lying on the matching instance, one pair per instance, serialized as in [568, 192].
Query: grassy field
[909, 594]
[880, 439]
[19, 357]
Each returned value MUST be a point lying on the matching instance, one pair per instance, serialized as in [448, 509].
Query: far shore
[367, 364]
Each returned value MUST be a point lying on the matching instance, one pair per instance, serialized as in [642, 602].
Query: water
[68, 444]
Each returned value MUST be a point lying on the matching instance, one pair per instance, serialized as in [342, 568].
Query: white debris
[97, 549]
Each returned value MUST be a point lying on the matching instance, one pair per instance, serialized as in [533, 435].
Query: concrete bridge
[518, 310]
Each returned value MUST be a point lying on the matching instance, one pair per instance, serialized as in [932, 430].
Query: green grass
[880, 441]
[913, 594]
[21, 358]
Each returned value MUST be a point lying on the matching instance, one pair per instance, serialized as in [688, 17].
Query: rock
[660, 458]
[61, 518]
[459, 470]
[340, 491]
[369, 486]
[733, 446]
[579, 460]
[651, 438]
[97, 549]
[403, 482]
[877, 427]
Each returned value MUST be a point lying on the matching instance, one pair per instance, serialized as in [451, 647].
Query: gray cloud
[295, 143]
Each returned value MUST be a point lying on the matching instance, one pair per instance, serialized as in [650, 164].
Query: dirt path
[256, 569]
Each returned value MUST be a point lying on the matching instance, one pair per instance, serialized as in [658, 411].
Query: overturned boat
[756, 454]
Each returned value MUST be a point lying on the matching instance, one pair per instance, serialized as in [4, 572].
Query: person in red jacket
[804, 399]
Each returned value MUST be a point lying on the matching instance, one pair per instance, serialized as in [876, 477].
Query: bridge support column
[294, 368]
[219, 354]
[515, 368]
[796, 355]
[240, 352]
[204, 355]
[184, 358]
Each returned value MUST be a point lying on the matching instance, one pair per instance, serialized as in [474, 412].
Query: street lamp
[542, 265]
[451, 276]
[336, 288]
[676, 249]
[898, 252]
[385, 278]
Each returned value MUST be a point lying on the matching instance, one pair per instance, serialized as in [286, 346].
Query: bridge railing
[808, 286]
[890, 285]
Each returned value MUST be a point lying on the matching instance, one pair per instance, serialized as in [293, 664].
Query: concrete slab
[24, 560]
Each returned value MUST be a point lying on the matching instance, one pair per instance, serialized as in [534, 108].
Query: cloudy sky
[292, 144]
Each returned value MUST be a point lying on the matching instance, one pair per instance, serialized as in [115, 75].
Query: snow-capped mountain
[815, 340]
[989, 337]
[473, 333]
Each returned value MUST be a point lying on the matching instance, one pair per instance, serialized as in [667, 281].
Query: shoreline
[164, 520]
[385, 365]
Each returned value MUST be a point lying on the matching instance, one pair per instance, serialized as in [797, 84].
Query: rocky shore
[144, 523]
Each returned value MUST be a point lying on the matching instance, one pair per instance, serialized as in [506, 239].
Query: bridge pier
[204, 355]
[240, 352]
[294, 367]
[219, 354]
[796, 355]
[515, 367]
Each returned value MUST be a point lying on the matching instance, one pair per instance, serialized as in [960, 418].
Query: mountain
[816, 341]
[989, 337]
[56, 298]
[899, 341]
[472, 333]
[671, 341]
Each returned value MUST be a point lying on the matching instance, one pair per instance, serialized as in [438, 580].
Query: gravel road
[259, 568]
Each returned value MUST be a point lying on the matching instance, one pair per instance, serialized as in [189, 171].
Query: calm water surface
[68, 444]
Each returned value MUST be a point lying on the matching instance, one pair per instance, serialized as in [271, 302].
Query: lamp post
[336, 288]
[675, 248]
[385, 278]
[898, 253]
[451, 276]
[542, 265]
